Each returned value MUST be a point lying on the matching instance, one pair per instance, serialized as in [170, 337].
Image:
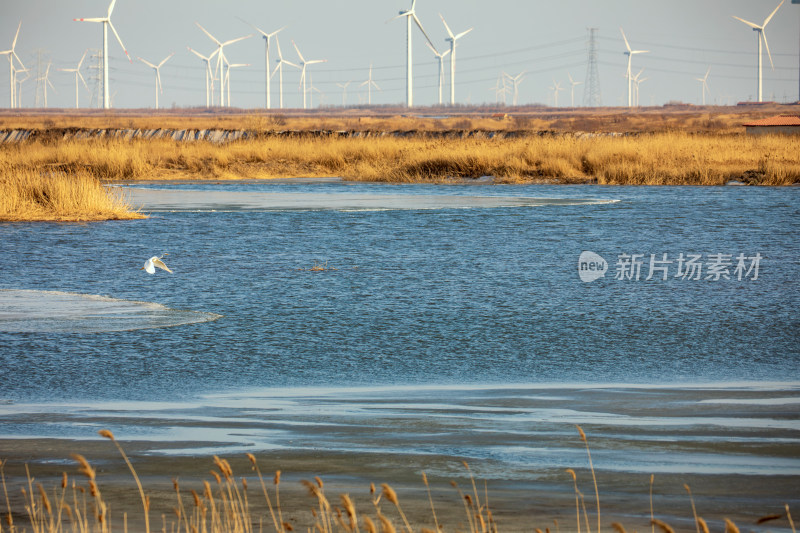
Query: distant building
[789, 124]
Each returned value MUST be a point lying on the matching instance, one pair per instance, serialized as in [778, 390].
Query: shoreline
[307, 432]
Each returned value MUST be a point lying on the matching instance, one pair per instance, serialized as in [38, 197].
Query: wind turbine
[77, 71]
[12, 54]
[221, 59]
[344, 91]
[46, 81]
[209, 74]
[281, 61]
[411, 14]
[304, 64]
[370, 84]
[267, 75]
[572, 84]
[157, 68]
[630, 53]
[19, 84]
[452, 39]
[704, 81]
[106, 23]
[761, 34]
[555, 88]
[515, 80]
[312, 90]
[440, 57]
[228, 77]
[636, 81]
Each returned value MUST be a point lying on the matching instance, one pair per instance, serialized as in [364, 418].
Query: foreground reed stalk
[594, 478]
[145, 504]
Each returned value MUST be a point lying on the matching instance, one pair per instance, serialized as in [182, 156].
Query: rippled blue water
[483, 295]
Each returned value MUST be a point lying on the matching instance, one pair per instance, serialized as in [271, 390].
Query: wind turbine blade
[91, 20]
[166, 59]
[302, 60]
[259, 30]
[313, 61]
[111, 8]
[628, 46]
[436, 53]
[772, 14]
[766, 45]
[208, 34]
[276, 31]
[18, 59]
[376, 86]
[275, 69]
[198, 54]
[120, 41]
[226, 43]
[755, 26]
[446, 27]
[707, 73]
[83, 80]
[419, 25]
[82, 58]
[158, 79]
[14, 44]
[402, 14]
[463, 33]
[149, 64]
[290, 64]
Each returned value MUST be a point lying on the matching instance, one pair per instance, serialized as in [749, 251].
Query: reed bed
[226, 504]
[674, 158]
[35, 195]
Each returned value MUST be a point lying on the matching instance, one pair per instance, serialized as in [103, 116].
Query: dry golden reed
[57, 196]
[669, 158]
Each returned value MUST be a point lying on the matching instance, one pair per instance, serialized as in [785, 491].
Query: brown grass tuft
[730, 527]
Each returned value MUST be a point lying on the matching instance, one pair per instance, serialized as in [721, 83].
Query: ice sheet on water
[215, 200]
[35, 311]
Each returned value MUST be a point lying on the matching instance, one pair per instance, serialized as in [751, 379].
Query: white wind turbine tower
[761, 34]
[303, 65]
[572, 84]
[209, 74]
[268, 76]
[637, 80]
[157, 68]
[440, 58]
[12, 54]
[344, 87]
[556, 88]
[704, 81]
[411, 14]
[77, 71]
[370, 84]
[221, 60]
[228, 77]
[281, 61]
[106, 21]
[515, 80]
[630, 53]
[452, 39]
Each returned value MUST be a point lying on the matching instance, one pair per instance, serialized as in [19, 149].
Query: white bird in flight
[150, 264]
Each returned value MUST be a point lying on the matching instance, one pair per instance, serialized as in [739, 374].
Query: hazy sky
[546, 39]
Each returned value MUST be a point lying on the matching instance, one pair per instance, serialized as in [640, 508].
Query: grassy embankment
[225, 504]
[33, 195]
[649, 159]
